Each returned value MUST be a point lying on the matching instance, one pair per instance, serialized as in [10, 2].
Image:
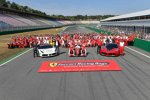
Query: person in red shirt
[121, 47]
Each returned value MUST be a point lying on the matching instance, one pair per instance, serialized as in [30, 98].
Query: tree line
[13, 5]
[82, 17]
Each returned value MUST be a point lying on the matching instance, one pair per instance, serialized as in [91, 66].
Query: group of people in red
[121, 40]
[71, 40]
[64, 40]
[30, 41]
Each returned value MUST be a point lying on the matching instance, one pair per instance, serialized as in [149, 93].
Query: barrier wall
[19, 31]
[142, 44]
[28, 30]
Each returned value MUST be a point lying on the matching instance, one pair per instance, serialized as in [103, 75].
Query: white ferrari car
[47, 50]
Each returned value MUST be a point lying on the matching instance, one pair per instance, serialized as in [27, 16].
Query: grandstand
[137, 21]
[11, 20]
[86, 22]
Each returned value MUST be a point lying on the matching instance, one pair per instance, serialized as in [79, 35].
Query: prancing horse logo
[54, 64]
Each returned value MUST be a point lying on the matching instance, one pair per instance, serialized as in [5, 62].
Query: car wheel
[57, 53]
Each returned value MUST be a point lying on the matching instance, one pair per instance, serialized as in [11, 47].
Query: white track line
[22, 53]
[65, 29]
[15, 57]
[139, 52]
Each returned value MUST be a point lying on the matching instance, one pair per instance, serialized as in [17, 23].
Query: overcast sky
[86, 7]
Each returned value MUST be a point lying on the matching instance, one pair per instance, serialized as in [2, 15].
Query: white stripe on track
[138, 52]
[14, 57]
[65, 29]
[22, 53]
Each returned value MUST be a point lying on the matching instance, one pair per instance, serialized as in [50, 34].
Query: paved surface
[19, 79]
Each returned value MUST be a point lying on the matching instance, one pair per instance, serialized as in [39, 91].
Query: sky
[86, 7]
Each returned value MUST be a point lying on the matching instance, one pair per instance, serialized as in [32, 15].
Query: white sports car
[47, 50]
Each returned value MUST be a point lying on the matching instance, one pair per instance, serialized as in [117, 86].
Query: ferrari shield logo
[54, 64]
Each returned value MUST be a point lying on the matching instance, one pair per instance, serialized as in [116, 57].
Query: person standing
[99, 44]
[35, 51]
[122, 45]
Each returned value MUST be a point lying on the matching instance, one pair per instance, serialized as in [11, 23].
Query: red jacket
[99, 42]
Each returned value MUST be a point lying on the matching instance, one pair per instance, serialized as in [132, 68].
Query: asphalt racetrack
[19, 79]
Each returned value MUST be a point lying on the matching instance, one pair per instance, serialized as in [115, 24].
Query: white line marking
[22, 53]
[65, 28]
[15, 57]
[138, 52]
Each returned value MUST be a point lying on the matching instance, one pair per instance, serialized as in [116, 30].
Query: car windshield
[45, 46]
[111, 46]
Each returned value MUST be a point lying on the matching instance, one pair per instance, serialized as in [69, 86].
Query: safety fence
[142, 44]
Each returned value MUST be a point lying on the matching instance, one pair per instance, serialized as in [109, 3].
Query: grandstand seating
[129, 23]
[16, 22]
[11, 21]
[45, 21]
[55, 22]
[24, 20]
[38, 21]
[4, 25]
[65, 22]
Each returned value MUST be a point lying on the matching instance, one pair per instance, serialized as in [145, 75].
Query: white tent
[135, 14]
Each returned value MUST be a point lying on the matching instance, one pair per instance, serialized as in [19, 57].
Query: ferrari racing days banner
[79, 65]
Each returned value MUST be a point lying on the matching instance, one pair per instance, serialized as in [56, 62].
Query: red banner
[79, 65]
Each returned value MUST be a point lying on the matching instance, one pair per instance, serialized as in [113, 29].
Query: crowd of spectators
[114, 30]
[145, 36]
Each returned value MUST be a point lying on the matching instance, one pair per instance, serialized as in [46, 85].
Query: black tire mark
[60, 87]
[64, 87]
[138, 58]
[30, 70]
[90, 85]
[134, 84]
[135, 69]
[119, 88]
[105, 87]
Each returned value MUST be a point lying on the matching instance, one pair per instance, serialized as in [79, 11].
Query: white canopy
[135, 14]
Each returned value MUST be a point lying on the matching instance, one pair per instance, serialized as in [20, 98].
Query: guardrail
[27, 29]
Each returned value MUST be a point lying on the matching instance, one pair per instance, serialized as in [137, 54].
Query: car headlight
[41, 51]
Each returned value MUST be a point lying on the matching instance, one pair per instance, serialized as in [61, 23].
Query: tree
[27, 9]
[14, 6]
[2, 2]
